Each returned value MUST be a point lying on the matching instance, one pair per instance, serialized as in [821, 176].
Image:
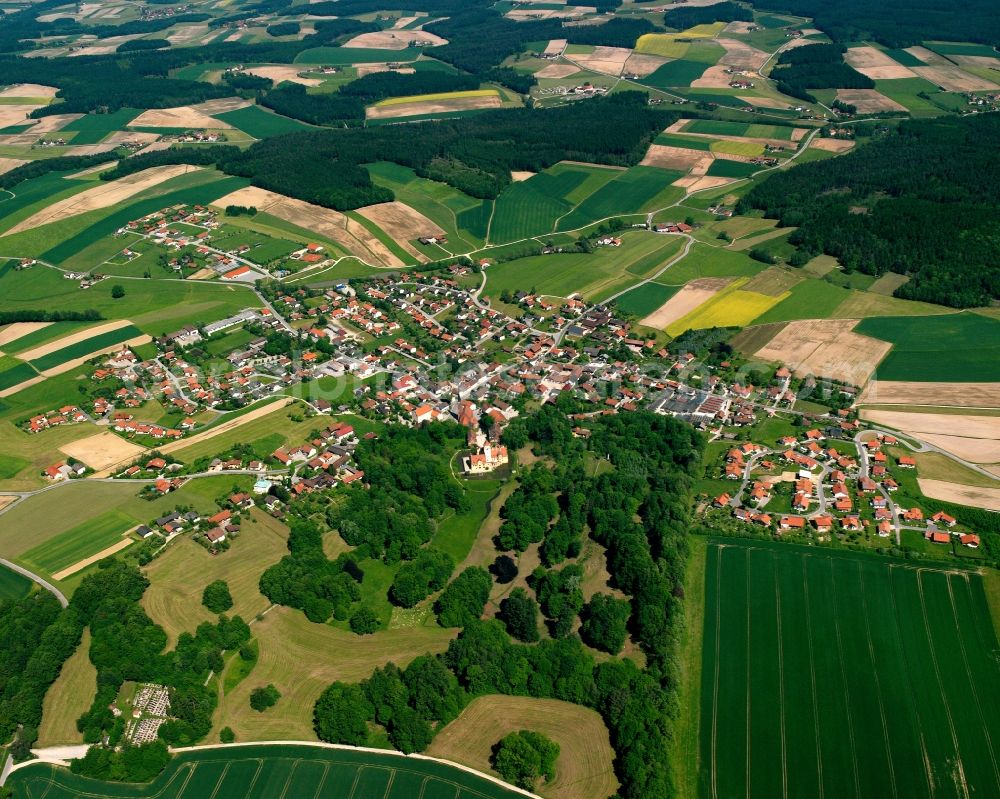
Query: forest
[920, 200]
[654, 459]
[727, 11]
[819, 66]
[897, 23]
[474, 154]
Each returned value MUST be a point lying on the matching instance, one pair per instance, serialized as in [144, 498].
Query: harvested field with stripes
[845, 675]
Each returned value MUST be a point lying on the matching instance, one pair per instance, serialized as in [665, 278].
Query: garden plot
[868, 101]
[875, 64]
[103, 195]
[826, 348]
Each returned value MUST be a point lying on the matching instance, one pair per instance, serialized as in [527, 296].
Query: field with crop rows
[266, 772]
[842, 675]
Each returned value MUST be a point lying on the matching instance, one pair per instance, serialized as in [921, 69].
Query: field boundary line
[847, 687]
[944, 696]
[812, 680]
[878, 682]
[222, 779]
[968, 674]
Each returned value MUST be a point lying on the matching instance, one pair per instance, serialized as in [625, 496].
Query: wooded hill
[920, 200]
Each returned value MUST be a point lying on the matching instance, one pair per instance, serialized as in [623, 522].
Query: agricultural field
[13, 585]
[809, 299]
[594, 275]
[645, 299]
[260, 123]
[242, 772]
[77, 543]
[92, 128]
[636, 190]
[956, 347]
[83, 348]
[732, 307]
[795, 700]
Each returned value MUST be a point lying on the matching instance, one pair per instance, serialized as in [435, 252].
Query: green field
[910, 92]
[16, 374]
[844, 675]
[33, 195]
[724, 168]
[645, 299]
[12, 584]
[687, 142]
[260, 123]
[639, 189]
[271, 771]
[43, 334]
[78, 543]
[594, 275]
[959, 347]
[906, 59]
[85, 347]
[92, 128]
[961, 48]
[676, 73]
[715, 127]
[532, 207]
[810, 299]
[462, 217]
[707, 261]
[154, 306]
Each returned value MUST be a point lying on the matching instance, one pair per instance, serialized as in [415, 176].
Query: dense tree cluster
[264, 697]
[818, 66]
[308, 580]
[464, 598]
[605, 623]
[131, 764]
[528, 512]
[560, 596]
[89, 315]
[519, 613]
[216, 596]
[524, 757]
[920, 201]
[898, 23]
[727, 11]
[418, 579]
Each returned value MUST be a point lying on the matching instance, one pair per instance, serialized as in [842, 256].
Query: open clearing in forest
[354, 237]
[691, 296]
[826, 348]
[276, 770]
[986, 498]
[68, 698]
[103, 195]
[393, 40]
[584, 766]
[829, 674]
[472, 100]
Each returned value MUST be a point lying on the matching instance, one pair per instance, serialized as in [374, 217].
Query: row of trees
[920, 201]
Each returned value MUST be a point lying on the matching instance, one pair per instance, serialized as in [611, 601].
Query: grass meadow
[272, 771]
[12, 584]
[844, 675]
[636, 190]
[68, 698]
[957, 347]
[643, 300]
[78, 542]
[259, 123]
